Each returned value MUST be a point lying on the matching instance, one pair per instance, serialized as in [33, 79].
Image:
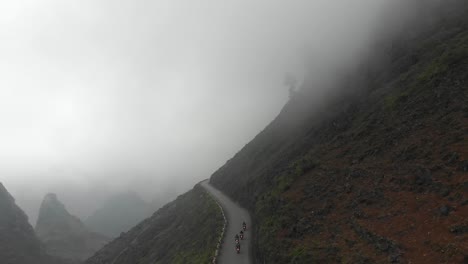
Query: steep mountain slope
[119, 214]
[18, 243]
[183, 231]
[376, 177]
[64, 235]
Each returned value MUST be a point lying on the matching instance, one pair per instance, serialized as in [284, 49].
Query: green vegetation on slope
[183, 231]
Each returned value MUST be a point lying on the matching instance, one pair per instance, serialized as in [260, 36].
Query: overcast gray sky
[98, 97]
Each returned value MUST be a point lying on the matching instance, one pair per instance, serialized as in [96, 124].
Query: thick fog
[100, 97]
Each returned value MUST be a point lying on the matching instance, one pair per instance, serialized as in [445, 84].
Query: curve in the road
[235, 216]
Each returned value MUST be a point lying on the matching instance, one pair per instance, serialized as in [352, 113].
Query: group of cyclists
[240, 237]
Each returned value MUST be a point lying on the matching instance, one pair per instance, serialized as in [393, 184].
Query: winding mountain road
[235, 215]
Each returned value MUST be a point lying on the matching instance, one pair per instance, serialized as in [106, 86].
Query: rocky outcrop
[18, 243]
[63, 234]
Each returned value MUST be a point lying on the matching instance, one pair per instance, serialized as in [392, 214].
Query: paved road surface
[235, 216]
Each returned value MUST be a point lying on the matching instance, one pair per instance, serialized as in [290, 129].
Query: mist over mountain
[63, 234]
[340, 126]
[119, 214]
[18, 242]
[100, 98]
[374, 173]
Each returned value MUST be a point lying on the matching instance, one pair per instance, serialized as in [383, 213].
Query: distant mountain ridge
[63, 234]
[118, 214]
[18, 242]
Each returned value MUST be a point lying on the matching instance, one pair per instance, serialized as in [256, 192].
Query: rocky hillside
[18, 243]
[183, 231]
[378, 174]
[119, 214]
[63, 234]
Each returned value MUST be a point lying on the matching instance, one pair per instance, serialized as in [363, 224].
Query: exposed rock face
[63, 234]
[18, 243]
[119, 214]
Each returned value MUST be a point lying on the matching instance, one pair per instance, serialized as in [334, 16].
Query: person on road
[244, 225]
[236, 237]
[242, 234]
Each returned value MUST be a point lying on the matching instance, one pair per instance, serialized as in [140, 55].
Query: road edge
[221, 236]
